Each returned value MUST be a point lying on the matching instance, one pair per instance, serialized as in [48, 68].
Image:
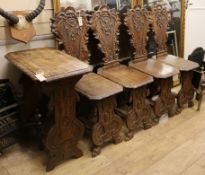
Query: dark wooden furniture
[9, 115]
[60, 73]
[105, 124]
[160, 21]
[138, 24]
[105, 25]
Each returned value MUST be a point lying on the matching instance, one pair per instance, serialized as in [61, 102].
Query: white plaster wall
[195, 26]
[42, 25]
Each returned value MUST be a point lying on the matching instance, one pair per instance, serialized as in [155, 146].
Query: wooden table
[60, 73]
[162, 73]
[186, 67]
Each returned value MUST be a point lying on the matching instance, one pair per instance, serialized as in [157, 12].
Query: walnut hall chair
[160, 22]
[138, 113]
[137, 21]
[71, 29]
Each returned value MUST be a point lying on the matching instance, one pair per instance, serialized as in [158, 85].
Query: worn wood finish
[95, 87]
[160, 22]
[155, 68]
[127, 77]
[70, 34]
[137, 21]
[62, 138]
[73, 35]
[52, 63]
[108, 126]
[105, 24]
[179, 63]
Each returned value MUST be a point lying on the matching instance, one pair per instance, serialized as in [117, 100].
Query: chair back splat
[70, 28]
[160, 22]
[137, 21]
[105, 24]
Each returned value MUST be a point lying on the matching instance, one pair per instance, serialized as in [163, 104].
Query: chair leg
[108, 125]
[139, 114]
[186, 94]
[166, 100]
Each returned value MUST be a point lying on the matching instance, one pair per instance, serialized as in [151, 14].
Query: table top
[155, 68]
[180, 63]
[51, 63]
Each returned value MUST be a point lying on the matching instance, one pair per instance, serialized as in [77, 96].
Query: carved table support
[186, 94]
[108, 125]
[165, 103]
[62, 138]
[141, 113]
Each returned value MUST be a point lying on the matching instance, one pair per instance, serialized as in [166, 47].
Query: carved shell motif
[71, 33]
[137, 22]
[160, 23]
[105, 24]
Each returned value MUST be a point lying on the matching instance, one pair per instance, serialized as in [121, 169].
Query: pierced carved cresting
[62, 138]
[70, 28]
[105, 24]
[108, 125]
[160, 22]
[186, 94]
[165, 103]
[138, 24]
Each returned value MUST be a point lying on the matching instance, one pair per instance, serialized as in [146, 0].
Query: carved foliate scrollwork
[70, 28]
[166, 100]
[108, 126]
[137, 21]
[105, 24]
[160, 22]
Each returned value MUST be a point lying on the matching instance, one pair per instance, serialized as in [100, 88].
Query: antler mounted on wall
[20, 23]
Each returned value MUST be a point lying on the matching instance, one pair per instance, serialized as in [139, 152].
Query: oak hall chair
[71, 29]
[137, 21]
[160, 22]
[105, 25]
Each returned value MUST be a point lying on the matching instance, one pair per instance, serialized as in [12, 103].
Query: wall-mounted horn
[21, 26]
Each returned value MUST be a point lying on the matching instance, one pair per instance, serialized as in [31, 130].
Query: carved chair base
[106, 125]
[186, 94]
[165, 103]
[137, 115]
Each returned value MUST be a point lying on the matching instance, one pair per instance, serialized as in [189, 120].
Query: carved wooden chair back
[137, 22]
[70, 28]
[105, 25]
[160, 20]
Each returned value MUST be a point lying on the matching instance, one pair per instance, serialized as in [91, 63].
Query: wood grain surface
[179, 63]
[52, 63]
[155, 68]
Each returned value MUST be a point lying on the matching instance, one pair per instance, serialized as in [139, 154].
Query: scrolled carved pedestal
[62, 138]
[140, 114]
[108, 125]
[186, 94]
[165, 103]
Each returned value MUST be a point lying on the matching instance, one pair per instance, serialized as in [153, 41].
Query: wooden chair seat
[95, 87]
[125, 76]
[155, 68]
[179, 63]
